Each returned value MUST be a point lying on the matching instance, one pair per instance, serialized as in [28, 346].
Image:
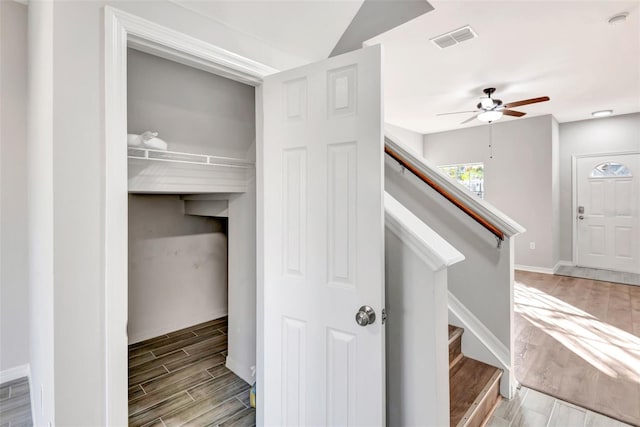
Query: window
[610, 170]
[471, 175]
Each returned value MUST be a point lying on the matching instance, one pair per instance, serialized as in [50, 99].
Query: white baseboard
[241, 369]
[534, 269]
[563, 264]
[15, 373]
[172, 325]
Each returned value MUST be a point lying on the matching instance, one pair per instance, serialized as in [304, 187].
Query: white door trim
[124, 30]
[574, 194]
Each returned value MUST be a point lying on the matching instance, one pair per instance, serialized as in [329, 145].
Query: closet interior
[191, 250]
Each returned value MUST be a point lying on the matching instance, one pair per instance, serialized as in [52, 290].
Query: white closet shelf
[157, 171]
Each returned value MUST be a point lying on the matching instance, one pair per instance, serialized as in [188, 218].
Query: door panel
[608, 232]
[324, 242]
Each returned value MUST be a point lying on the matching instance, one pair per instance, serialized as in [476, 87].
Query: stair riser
[484, 408]
[455, 350]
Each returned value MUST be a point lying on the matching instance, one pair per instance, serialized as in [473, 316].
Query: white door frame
[123, 30]
[574, 194]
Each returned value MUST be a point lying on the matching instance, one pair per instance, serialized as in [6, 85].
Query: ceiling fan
[490, 109]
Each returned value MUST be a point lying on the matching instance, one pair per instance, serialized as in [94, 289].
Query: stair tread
[469, 379]
[454, 332]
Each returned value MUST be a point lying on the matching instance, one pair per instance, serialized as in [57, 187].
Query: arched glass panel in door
[610, 170]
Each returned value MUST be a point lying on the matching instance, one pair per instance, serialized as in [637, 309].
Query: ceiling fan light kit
[489, 116]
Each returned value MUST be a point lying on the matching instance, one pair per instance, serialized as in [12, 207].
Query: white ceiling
[305, 28]
[563, 49]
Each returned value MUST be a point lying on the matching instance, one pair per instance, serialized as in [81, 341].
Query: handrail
[444, 193]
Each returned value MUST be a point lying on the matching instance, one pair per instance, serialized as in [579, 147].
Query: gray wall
[482, 282]
[14, 295]
[518, 179]
[605, 135]
[192, 110]
[177, 267]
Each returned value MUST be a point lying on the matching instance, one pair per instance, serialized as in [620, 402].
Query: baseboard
[15, 373]
[481, 344]
[534, 269]
[241, 369]
[563, 264]
[137, 336]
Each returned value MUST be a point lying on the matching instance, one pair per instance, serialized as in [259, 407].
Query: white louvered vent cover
[454, 37]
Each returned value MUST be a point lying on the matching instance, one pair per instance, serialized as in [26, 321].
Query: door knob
[365, 316]
[580, 217]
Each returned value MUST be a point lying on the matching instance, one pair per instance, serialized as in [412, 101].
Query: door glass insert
[610, 170]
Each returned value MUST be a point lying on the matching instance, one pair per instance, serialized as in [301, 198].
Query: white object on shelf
[148, 139]
[133, 140]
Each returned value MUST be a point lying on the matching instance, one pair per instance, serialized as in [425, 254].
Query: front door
[323, 243]
[608, 211]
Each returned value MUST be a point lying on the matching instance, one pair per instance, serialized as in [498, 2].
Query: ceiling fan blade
[526, 102]
[457, 112]
[513, 113]
[469, 119]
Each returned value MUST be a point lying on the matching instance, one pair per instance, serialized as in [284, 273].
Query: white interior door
[324, 243]
[608, 212]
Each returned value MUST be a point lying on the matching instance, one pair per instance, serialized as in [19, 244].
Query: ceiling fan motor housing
[495, 103]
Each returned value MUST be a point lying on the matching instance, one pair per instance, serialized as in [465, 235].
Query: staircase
[473, 386]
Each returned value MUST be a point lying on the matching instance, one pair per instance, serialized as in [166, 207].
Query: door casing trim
[124, 30]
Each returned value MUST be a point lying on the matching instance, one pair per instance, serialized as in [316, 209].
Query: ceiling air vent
[454, 37]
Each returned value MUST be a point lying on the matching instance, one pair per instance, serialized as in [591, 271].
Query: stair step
[455, 345]
[473, 392]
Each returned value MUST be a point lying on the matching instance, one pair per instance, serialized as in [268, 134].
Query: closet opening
[191, 245]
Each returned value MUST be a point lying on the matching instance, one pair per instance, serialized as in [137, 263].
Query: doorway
[607, 211]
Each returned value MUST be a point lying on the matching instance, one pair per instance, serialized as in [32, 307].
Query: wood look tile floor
[530, 408]
[181, 379]
[15, 404]
[579, 341]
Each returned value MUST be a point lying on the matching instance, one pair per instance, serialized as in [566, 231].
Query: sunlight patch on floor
[612, 351]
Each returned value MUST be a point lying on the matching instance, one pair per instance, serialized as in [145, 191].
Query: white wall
[604, 135]
[177, 267]
[417, 377]
[409, 138]
[555, 190]
[14, 288]
[41, 221]
[242, 282]
[67, 191]
[192, 110]
[518, 179]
